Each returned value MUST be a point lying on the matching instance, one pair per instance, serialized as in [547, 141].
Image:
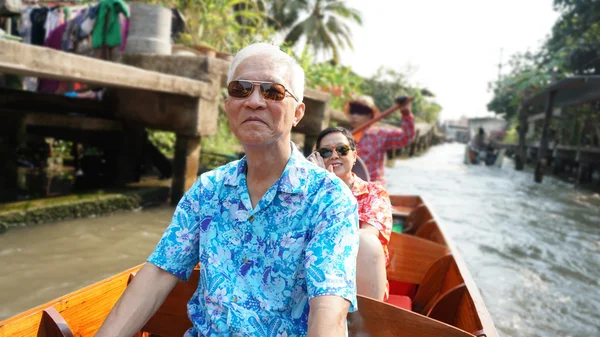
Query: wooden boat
[474, 157]
[427, 277]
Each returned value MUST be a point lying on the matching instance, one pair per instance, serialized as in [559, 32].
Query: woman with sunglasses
[336, 151]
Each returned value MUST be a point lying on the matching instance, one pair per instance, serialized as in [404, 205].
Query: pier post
[309, 144]
[130, 152]
[185, 165]
[541, 157]
[413, 145]
[12, 136]
[520, 151]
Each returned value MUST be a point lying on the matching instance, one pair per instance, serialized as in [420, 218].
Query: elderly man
[276, 237]
[376, 140]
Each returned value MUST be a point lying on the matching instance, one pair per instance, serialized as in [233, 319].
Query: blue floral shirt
[259, 267]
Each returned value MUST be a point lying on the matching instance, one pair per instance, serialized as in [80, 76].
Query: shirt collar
[293, 179]
[360, 186]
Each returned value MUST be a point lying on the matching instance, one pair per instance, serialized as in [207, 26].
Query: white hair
[278, 58]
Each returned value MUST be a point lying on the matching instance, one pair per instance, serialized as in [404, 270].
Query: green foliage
[512, 135]
[575, 38]
[225, 25]
[528, 75]
[164, 141]
[223, 141]
[339, 81]
[572, 48]
[387, 84]
[321, 23]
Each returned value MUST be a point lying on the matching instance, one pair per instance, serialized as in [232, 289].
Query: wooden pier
[171, 93]
[562, 159]
[572, 91]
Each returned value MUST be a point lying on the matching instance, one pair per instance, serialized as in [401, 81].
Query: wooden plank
[416, 218]
[72, 122]
[29, 60]
[84, 310]
[316, 115]
[185, 165]
[431, 286]
[378, 319]
[411, 257]
[431, 231]
[338, 116]
[19, 100]
[484, 316]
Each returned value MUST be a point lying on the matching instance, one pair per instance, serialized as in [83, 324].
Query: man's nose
[255, 100]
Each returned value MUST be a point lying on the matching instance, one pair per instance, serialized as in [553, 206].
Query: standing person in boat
[276, 237]
[479, 140]
[376, 140]
[336, 151]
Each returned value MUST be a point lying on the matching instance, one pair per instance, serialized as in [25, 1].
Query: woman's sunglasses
[342, 150]
[268, 90]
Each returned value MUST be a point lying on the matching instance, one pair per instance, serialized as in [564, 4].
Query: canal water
[533, 249]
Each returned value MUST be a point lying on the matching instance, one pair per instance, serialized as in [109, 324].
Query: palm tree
[324, 27]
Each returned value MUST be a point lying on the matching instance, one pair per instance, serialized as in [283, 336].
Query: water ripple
[533, 249]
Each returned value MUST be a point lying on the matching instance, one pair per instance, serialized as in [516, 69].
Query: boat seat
[456, 307]
[402, 288]
[403, 302]
[442, 276]
[430, 231]
[411, 257]
[360, 169]
[53, 324]
[417, 218]
[377, 319]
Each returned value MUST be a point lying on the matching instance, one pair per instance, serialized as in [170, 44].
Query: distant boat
[431, 293]
[487, 157]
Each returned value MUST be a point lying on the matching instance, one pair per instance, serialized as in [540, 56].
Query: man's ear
[299, 113]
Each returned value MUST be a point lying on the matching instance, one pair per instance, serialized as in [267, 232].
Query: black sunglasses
[342, 150]
[268, 90]
[359, 109]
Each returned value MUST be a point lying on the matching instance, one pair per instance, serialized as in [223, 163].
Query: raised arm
[142, 298]
[399, 138]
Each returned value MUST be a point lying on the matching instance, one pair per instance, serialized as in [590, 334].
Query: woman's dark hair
[334, 129]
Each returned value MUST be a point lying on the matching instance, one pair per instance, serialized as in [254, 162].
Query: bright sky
[454, 45]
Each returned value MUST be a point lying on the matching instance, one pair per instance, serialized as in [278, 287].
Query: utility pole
[500, 65]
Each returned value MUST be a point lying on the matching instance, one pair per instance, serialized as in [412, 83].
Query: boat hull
[444, 302]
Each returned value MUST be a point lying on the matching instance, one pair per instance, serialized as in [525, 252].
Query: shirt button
[251, 218]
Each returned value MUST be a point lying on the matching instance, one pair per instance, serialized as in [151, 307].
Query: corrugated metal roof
[571, 91]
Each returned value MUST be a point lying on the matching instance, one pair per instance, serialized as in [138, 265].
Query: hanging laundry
[53, 41]
[38, 20]
[54, 18]
[124, 31]
[107, 32]
[89, 22]
[25, 29]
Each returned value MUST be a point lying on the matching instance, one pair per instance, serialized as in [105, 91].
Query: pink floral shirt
[377, 140]
[375, 209]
